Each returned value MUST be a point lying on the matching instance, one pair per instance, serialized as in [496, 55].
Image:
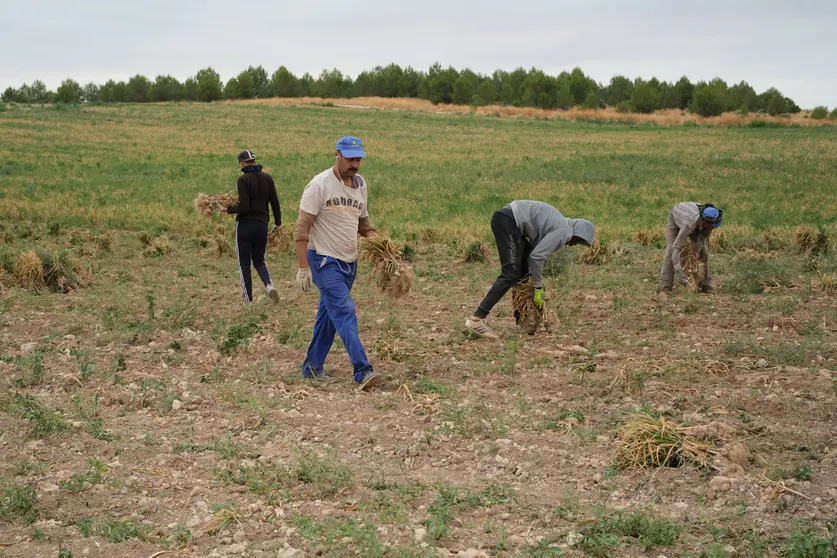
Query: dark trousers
[250, 245]
[514, 251]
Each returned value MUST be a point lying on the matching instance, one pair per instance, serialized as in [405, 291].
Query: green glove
[539, 296]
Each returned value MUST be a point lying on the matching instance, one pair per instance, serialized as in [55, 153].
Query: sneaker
[478, 326]
[370, 380]
[272, 294]
[320, 376]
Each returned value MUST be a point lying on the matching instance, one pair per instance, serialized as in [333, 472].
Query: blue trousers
[336, 314]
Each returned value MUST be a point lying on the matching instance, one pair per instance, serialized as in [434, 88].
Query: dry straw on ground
[29, 270]
[810, 241]
[475, 252]
[693, 267]
[529, 317]
[207, 206]
[595, 254]
[826, 283]
[429, 236]
[220, 238]
[157, 246]
[647, 442]
[718, 240]
[62, 273]
[282, 238]
[646, 237]
[393, 276]
[737, 454]
[661, 117]
[804, 237]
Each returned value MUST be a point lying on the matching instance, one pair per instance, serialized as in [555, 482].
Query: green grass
[120, 178]
[42, 420]
[635, 528]
[451, 499]
[237, 335]
[114, 530]
[96, 470]
[224, 446]
[429, 386]
[31, 371]
[119, 171]
[806, 542]
[17, 502]
[327, 474]
[338, 538]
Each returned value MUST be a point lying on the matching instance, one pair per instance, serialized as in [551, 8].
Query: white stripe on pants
[240, 271]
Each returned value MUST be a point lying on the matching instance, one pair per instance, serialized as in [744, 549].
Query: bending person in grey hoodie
[527, 232]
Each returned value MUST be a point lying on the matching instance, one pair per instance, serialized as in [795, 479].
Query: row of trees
[521, 87]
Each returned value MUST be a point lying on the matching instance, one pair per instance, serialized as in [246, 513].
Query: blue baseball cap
[712, 215]
[350, 147]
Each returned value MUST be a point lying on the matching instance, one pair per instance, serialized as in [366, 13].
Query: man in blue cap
[332, 212]
[688, 220]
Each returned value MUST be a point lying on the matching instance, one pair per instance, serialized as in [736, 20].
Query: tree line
[521, 87]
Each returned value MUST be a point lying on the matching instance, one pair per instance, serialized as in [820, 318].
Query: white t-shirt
[338, 209]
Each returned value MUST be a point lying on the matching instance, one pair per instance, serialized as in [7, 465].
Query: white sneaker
[272, 294]
[478, 326]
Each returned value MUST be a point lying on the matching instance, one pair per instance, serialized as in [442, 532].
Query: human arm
[243, 205]
[365, 227]
[275, 208]
[550, 243]
[303, 228]
[312, 200]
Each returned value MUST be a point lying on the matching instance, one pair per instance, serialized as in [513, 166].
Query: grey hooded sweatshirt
[547, 231]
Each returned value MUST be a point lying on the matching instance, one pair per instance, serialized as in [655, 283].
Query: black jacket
[256, 190]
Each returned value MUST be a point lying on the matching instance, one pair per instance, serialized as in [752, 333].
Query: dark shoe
[320, 376]
[370, 380]
[707, 290]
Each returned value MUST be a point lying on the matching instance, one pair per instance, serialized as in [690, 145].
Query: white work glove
[303, 279]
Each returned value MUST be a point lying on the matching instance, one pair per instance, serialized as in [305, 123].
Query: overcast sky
[790, 45]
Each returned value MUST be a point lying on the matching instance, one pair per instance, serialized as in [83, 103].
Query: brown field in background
[661, 117]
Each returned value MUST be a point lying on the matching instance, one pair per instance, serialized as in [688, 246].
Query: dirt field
[145, 411]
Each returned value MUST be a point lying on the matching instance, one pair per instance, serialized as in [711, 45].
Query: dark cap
[246, 155]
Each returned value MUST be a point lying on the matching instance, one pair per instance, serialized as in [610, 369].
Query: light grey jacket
[547, 231]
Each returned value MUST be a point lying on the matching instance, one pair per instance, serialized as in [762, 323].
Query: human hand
[538, 297]
[303, 279]
[681, 277]
[274, 229]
